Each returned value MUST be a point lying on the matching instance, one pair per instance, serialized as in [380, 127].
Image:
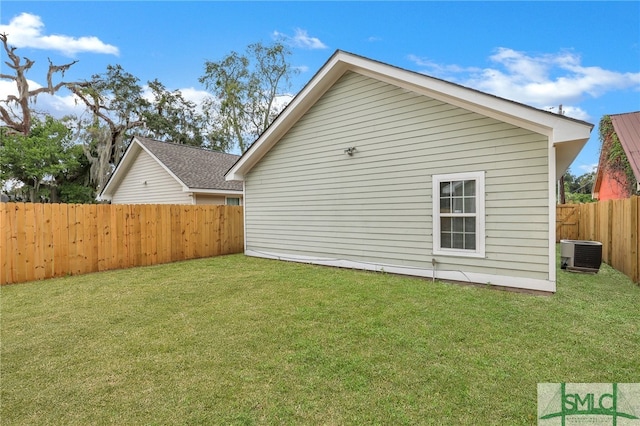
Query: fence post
[634, 207]
[610, 230]
[7, 241]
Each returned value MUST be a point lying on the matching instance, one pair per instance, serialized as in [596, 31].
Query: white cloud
[60, 105]
[57, 105]
[26, 30]
[550, 79]
[191, 94]
[301, 39]
[444, 71]
[194, 95]
[570, 111]
[281, 101]
[8, 87]
[539, 80]
[588, 168]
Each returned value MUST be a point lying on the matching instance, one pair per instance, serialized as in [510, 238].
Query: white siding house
[154, 172]
[379, 168]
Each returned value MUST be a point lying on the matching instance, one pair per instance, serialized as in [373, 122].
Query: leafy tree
[617, 163]
[172, 118]
[576, 198]
[116, 104]
[585, 183]
[73, 184]
[246, 87]
[39, 160]
[120, 110]
[578, 188]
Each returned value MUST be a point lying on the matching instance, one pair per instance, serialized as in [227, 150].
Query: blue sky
[583, 55]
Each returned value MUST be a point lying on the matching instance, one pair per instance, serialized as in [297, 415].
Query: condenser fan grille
[580, 255]
[587, 256]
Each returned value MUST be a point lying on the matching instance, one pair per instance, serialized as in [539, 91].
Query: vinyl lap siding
[161, 188]
[307, 197]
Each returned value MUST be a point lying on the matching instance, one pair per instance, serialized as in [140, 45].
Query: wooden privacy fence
[567, 222]
[614, 223]
[41, 241]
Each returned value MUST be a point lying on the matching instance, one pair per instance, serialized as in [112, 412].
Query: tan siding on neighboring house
[160, 187]
[307, 197]
[210, 199]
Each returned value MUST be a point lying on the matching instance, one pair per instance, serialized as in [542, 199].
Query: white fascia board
[300, 104]
[123, 165]
[566, 130]
[212, 191]
[568, 135]
[185, 188]
[460, 276]
[558, 129]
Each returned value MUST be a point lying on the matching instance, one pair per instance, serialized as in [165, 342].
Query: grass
[236, 340]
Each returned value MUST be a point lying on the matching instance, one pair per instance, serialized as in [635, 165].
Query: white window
[233, 201]
[458, 214]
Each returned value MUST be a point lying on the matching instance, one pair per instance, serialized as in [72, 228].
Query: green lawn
[237, 340]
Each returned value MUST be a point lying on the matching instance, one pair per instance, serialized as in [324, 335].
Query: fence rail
[614, 223]
[39, 241]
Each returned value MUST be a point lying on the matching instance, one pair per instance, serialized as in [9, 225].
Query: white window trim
[480, 214]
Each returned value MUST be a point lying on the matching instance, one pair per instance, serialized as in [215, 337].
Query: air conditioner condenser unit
[581, 256]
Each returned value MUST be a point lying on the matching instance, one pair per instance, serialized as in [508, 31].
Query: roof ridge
[185, 146]
[625, 113]
[451, 83]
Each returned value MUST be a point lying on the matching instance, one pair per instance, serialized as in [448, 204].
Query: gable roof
[567, 135]
[627, 127]
[195, 169]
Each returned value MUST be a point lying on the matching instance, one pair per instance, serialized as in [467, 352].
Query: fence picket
[7, 243]
[60, 240]
[614, 223]
[43, 241]
[164, 234]
[634, 238]
[47, 240]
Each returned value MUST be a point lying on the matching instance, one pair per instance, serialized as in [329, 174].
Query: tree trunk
[53, 194]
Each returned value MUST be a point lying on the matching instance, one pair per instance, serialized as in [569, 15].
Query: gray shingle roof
[197, 168]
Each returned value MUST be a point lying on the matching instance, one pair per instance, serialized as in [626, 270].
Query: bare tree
[20, 121]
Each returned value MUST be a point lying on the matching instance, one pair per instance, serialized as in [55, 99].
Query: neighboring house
[379, 168]
[154, 172]
[612, 185]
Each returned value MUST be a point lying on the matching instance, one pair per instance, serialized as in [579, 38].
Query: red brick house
[614, 184]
